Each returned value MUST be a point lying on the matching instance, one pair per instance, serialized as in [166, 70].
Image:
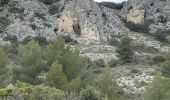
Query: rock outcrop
[31, 18]
[136, 14]
[157, 11]
[83, 20]
[86, 22]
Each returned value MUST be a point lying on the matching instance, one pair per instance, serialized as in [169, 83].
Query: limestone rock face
[86, 22]
[157, 11]
[31, 18]
[83, 20]
[136, 14]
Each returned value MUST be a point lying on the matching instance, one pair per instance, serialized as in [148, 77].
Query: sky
[117, 1]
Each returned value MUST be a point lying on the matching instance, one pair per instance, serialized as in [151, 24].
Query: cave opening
[77, 29]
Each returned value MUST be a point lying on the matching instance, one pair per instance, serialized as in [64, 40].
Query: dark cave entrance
[77, 29]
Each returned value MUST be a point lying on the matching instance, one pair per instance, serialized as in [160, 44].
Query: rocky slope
[92, 26]
[82, 20]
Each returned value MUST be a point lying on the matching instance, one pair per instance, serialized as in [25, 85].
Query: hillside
[84, 50]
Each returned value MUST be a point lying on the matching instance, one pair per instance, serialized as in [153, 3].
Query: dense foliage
[159, 89]
[31, 63]
[58, 66]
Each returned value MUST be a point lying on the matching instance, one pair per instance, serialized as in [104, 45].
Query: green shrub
[166, 68]
[41, 40]
[159, 59]
[143, 48]
[113, 63]
[4, 22]
[142, 28]
[161, 35]
[49, 2]
[106, 84]
[158, 90]
[4, 60]
[112, 5]
[54, 9]
[27, 39]
[90, 93]
[114, 42]
[68, 39]
[11, 38]
[39, 92]
[99, 63]
[135, 71]
[5, 92]
[15, 9]
[4, 2]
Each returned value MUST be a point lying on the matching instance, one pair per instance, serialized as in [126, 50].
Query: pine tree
[31, 63]
[72, 63]
[125, 52]
[55, 77]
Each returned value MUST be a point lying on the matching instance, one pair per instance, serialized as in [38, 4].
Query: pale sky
[117, 1]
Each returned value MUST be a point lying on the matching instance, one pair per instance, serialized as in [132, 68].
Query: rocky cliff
[82, 20]
[85, 21]
[157, 11]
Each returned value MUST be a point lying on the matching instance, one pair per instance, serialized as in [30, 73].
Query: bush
[49, 2]
[4, 22]
[99, 63]
[161, 35]
[112, 5]
[114, 42]
[11, 38]
[4, 60]
[68, 39]
[143, 48]
[90, 93]
[16, 10]
[4, 2]
[113, 63]
[142, 28]
[55, 9]
[41, 40]
[159, 59]
[27, 39]
[158, 90]
[166, 68]
[135, 71]
[106, 83]
[39, 92]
